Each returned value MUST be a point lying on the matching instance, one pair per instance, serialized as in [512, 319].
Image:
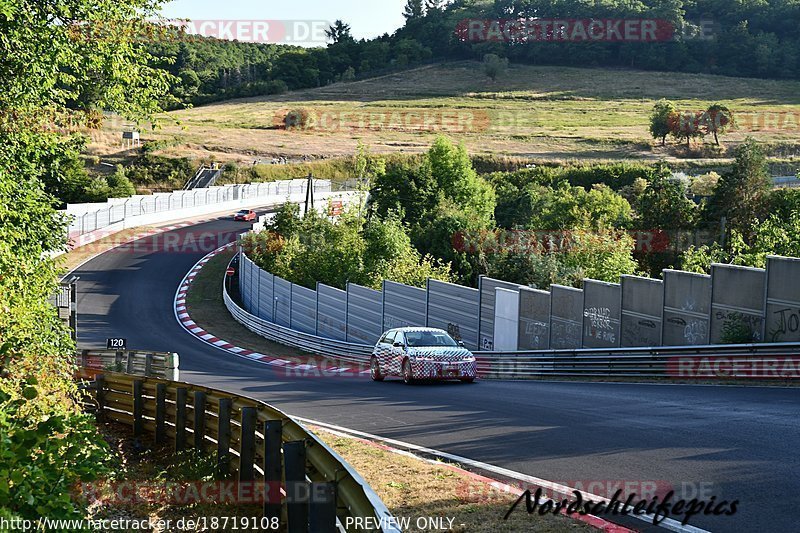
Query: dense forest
[745, 38]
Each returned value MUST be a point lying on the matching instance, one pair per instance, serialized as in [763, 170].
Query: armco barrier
[148, 364]
[744, 361]
[254, 442]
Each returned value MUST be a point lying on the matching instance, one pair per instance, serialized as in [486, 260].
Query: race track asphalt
[735, 443]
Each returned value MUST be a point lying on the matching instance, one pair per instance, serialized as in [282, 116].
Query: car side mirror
[461, 343]
[398, 344]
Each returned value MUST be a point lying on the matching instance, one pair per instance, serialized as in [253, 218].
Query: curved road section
[730, 443]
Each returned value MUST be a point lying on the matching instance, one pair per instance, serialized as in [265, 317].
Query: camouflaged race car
[416, 354]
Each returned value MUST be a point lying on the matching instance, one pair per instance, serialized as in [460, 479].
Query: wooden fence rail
[310, 488]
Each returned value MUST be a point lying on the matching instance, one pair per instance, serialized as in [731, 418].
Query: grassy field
[553, 113]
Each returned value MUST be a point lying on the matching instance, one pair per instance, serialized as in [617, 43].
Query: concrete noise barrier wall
[687, 309]
[304, 309]
[488, 287]
[737, 304]
[266, 284]
[403, 306]
[506, 320]
[454, 308]
[566, 318]
[642, 307]
[282, 303]
[602, 312]
[534, 319]
[783, 300]
[364, 314]
[331, 312]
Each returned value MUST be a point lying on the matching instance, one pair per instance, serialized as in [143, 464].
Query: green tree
[664, 204]
[688, 126]
[660, 120]
[494, 66]
[119, 184]
[718, 118]
[414, 10]
[742, 195]
[339, 32]
[451, 168]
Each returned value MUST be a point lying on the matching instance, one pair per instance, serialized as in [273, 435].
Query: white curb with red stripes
[185, 320]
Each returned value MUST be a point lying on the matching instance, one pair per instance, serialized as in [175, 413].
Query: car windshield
[429, 338]
[244, 212]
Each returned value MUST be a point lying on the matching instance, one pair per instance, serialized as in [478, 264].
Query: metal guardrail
[661, 362]
[321, 490]
[147, 364]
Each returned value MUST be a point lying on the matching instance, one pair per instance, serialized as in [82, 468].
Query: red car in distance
[245, 215]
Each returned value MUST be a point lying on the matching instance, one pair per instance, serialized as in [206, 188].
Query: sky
[368, 18]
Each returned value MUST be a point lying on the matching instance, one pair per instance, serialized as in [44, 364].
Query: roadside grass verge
[206, 307]
[415, 489]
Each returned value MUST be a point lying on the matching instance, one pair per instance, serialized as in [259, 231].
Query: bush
[44, 456]
[736, 331]
[298, 119]
[119, 184]
[314, 249]
[276, 87]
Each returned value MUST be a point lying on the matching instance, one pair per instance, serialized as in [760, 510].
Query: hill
[539, 112]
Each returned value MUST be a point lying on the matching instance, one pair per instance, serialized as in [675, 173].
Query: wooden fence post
[180, 419]
[200, 420]
[161, 413]
[322, 508]
[224, 437]
[100, 383]
[247, 453]
[273, 434]
[297, 489]
[148, 365]
[138, 408]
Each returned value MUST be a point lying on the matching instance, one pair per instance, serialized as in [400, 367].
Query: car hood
[444, 353]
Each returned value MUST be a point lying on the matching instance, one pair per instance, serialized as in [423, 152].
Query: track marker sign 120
[116, 344]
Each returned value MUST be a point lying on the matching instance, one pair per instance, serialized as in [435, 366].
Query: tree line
[706, 36]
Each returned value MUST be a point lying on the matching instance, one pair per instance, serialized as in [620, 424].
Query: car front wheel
[408, 373]
[375, 369]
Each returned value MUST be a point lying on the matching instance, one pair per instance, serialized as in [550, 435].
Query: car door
[398, 353]
[384, 353]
